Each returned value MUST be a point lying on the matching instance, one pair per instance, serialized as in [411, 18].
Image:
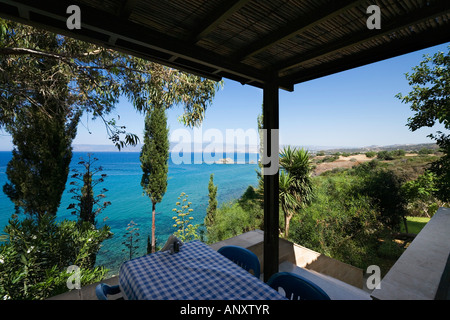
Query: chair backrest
[297, 287]
[243, 258]
[102, 291]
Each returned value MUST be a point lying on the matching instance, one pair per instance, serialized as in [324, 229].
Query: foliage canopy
[430, 101]
[89, 79]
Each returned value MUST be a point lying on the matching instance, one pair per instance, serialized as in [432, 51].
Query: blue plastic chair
[103, 290]
[297, 287]
[243, 258]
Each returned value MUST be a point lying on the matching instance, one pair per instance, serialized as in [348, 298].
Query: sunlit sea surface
[128, 202]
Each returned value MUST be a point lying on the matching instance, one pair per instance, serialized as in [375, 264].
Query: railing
[422, 271]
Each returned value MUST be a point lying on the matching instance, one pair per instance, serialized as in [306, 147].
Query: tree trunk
[153, 227]
[405, 222]
[287, 220]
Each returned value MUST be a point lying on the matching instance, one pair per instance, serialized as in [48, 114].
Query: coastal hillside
[341, 162]
[408, 148]
[328, 160]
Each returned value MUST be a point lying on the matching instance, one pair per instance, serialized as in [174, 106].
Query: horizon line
[240, 149]
[243, 149]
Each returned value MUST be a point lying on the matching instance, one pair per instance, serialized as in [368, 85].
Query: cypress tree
[154, 160]
[212, 203]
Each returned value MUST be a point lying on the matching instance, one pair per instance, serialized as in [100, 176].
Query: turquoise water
[128, 202]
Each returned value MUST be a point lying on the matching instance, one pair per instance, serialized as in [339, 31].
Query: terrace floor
[340, 285]
[421, 273]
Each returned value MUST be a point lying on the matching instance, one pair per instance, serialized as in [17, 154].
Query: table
[196, 272]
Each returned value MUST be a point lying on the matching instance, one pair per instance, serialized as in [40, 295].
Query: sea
[128, 203]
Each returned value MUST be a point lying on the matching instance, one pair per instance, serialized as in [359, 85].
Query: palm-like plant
[288, 202]
[295, 182]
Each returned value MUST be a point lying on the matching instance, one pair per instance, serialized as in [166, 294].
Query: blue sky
[354, 108]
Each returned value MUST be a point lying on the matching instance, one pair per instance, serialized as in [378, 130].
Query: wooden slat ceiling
[248, 40]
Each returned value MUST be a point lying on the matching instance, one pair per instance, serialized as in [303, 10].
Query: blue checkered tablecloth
[197, 272]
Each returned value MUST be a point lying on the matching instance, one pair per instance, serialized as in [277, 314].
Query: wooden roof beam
[102, 28]
[225, 11]
[127, 8]
[123, 13]
[416, 17]
[424, 40]
[320, 15]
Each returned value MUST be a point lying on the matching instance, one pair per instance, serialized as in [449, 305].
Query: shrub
[328, 159]
[389, 249]
[398, 153]
[385, 155]
[425, 151]
[338, 223]
[391, 155]
[365, 167]
[35, 258]
[186, 231]
[352, 209]
[383, 188]
[232, 219]
[420, 194]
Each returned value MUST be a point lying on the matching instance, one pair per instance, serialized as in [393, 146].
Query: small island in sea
[225, 161]
[231, 161]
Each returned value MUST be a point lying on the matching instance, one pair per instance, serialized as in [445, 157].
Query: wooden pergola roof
[248, 40]
[270, 44]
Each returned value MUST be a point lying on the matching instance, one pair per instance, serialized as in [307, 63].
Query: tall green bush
[351, 211]
[339, 222]
[383, 187]
[37, 172]
[420, 194]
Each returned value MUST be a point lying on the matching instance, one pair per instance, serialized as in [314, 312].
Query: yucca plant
[295, 182]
